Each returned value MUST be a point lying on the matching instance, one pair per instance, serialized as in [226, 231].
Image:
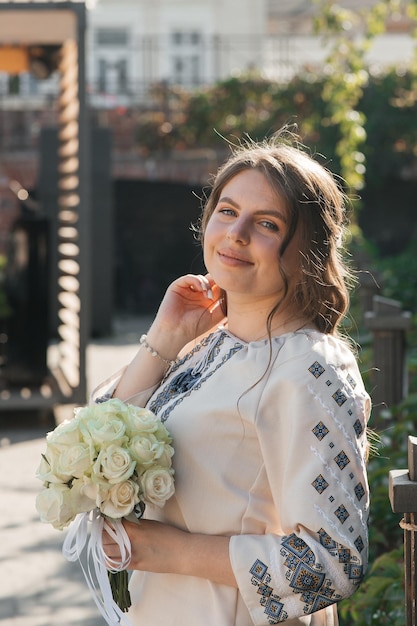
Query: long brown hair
[316, 211]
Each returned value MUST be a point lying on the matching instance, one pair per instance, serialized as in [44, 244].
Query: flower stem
[119, 587]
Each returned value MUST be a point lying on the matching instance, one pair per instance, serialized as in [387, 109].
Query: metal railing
[124, 73]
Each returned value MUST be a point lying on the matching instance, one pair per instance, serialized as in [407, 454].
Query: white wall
[154, 55]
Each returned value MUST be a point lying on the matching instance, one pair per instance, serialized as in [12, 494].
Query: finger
[206, 286]
[113, 555]
[215, 289]
[199, 283]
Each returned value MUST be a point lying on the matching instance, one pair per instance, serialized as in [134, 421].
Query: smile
[231, 258]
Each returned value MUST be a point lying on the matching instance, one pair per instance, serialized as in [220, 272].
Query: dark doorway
[154, 241]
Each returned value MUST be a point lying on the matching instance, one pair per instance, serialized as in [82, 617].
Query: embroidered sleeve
[311, 428]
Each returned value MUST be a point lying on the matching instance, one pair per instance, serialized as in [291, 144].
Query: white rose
[114, 464]
[162, 433]
[65, 434]
[54, 506]
[158, 485]
[165, 460]
[48, 467]
[44, 471]
[101, 410]
[95, 488]
[146, 448]
[114, 406]
[104, 430]
[73, 461]
[141, 420]
[120, 499]
[80, 495]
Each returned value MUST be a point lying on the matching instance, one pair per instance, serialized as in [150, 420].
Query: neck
[251, 324]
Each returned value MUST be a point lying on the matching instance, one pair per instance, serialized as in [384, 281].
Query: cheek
[208, 239]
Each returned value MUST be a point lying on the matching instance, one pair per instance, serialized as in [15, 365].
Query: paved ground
[38, 587]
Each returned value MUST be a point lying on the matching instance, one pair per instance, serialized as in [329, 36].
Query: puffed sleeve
[311, 426]
[104, 391]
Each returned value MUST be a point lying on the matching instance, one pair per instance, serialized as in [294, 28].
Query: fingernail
[209, 294]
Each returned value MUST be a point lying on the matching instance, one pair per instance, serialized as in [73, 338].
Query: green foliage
[234, 108]
[390, 453]
[346, 76]
[380, 599]
[349, 34]
[240, 106]
[389, 104]
[399, 276]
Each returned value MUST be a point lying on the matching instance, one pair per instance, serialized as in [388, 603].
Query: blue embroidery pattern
[359, 491]
[342, 513]
[184, 383]
[305, 576]
[351, 381]
[104, 398]
[342, 459]
[359, 544]
[339, 397]
[344, 414]
[320, 430]
[316, 369]
[358, 428]
[352, 568]
[274, 609]
[320, 484]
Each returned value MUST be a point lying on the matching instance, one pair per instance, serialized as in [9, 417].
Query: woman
[266, 406]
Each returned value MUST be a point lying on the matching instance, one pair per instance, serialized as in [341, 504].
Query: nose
[239, 231]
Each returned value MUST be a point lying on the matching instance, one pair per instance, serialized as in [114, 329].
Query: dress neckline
[306, 330]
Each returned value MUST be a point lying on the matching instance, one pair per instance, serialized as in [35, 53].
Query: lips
[232, 258]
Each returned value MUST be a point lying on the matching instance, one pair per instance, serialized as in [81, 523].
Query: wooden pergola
[37, 32]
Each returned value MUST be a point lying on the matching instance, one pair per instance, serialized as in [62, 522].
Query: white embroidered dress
[269, 450]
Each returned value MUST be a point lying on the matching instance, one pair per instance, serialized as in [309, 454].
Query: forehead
[251, 189]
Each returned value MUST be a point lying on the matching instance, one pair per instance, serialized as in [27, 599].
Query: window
[185, 38]
[112, 37]
[121, 75]
[186, 57]
[102, 67]
[112, 76]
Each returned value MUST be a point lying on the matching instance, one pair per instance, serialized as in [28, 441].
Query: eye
[269, 225]
[227, 211]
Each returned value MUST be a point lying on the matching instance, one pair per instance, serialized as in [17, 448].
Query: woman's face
[243, 238]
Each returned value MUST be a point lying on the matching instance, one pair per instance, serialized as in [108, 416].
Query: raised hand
[189, 308]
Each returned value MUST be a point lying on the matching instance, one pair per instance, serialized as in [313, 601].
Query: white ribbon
[93, 562]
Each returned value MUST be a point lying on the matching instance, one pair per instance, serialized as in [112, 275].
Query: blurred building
[134, 44]
[138, 43]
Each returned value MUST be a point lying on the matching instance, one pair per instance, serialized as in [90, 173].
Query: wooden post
[368, 289]
[403, 498]
[388, 324]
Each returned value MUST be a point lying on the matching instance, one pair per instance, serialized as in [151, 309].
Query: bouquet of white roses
[109, 461]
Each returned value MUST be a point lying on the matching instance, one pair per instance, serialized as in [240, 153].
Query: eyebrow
[271, 212]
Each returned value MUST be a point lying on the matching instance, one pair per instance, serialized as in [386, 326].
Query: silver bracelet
[144, 342]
